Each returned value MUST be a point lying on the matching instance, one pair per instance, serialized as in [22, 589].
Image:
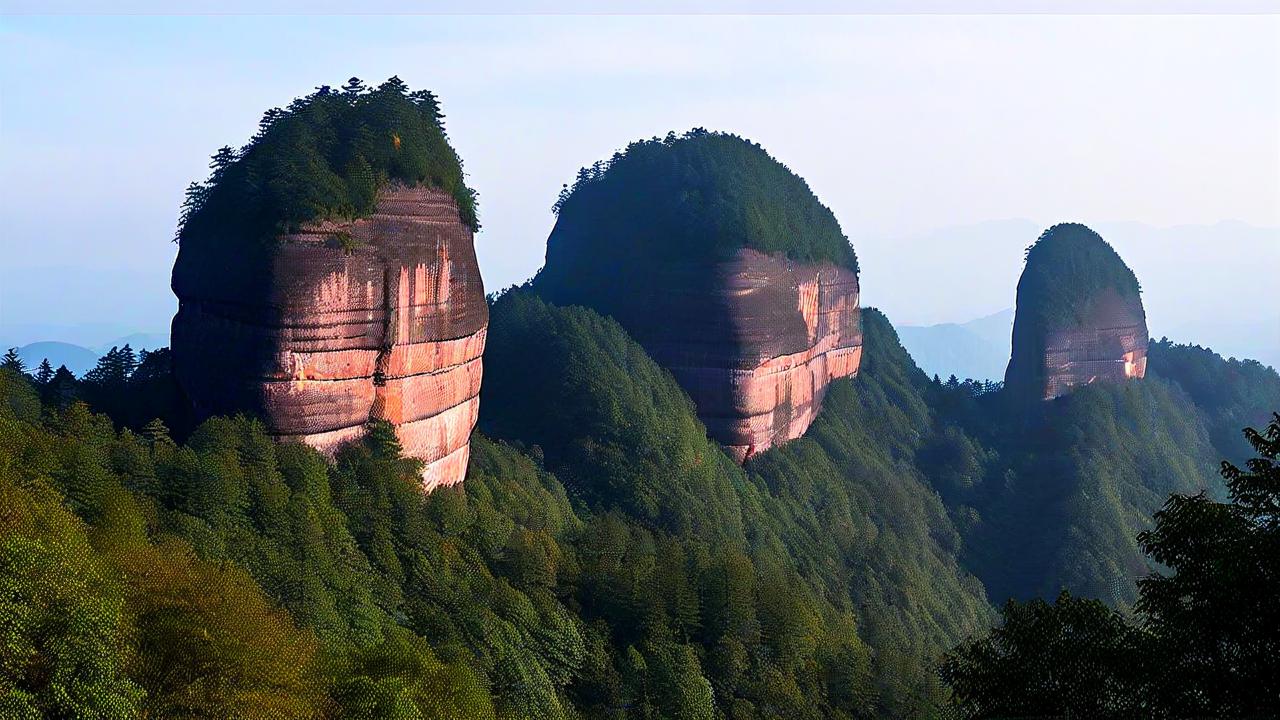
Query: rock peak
[1079, 316]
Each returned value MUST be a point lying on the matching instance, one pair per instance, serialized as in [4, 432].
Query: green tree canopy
[324, 157]
[697, 194]
[1206, 640]
[1066, 268]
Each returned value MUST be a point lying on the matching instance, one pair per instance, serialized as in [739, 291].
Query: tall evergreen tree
[44, 373]
[63, 389]
[13, 362]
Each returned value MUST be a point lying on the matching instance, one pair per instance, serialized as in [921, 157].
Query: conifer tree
[63, 389]
[13, 362]
[44, 373]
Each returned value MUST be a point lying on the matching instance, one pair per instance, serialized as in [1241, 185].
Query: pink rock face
[754, 340]
[1110, 346]
[1107, 343]
[793, 328]
[318, 340]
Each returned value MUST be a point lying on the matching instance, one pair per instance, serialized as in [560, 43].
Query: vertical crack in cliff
[382, 363]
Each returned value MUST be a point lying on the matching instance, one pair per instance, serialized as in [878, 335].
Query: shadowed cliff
[725, 267]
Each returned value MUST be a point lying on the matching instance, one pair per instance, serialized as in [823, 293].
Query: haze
[944, 144]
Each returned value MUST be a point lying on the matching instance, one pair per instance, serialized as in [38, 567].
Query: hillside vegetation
[697, 195]
[1066, 269]
[603, 557]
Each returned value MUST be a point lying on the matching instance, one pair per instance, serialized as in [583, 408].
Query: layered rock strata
[754, 338]
[1109, 345]
[382, 318]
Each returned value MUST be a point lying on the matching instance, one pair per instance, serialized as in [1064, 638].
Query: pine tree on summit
[44, 373]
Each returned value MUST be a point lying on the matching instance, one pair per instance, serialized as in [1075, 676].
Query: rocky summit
[1079, 316]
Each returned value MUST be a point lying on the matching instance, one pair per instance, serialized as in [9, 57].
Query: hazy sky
[901, 124]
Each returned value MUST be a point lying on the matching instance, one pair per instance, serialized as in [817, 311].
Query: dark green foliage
[324, 157]
[132, 389]
[1206, 639]
[821, 544]
[850, 493]
[1214, 615]
[1074, 484]
[44, 374]
[701, 194]
[1230, 393]
[1074, 658]
[612, 424]
[1067, 267]
[11, 361]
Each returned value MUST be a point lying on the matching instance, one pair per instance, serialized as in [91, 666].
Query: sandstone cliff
[1079, 317]
[754, 339]
[726, 268]
[339, 324]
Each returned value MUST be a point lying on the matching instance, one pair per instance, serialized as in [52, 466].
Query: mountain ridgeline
[701, 482]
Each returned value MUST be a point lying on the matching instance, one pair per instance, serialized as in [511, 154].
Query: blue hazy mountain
[77, 358]
[976, 349]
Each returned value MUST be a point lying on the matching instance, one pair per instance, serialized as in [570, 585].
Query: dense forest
[697, 195]
[603, 558]
[324, 157]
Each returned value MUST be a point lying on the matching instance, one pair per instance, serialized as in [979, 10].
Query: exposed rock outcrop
[1079, 317]
[340, 324]
[754, 340]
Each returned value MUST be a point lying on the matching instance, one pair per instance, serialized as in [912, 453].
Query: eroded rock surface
[340, 324]
[754, 339]
[1110, 345]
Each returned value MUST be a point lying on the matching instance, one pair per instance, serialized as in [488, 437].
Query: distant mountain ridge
[77, 358]
[80, 359]
[977, 349]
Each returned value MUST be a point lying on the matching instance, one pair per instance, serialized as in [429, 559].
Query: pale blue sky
[902, 124]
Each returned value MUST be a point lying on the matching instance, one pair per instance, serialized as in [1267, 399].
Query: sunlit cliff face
[327, 339]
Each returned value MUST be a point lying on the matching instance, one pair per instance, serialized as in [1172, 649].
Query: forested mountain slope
[604, 560]
[839, 525]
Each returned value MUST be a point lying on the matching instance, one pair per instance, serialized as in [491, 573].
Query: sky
[907, 126]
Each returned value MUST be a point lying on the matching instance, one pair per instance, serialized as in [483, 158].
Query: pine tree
[220, 162]
[156, 432]
[62, 390]
[11, 361]
[45, 372]
[354, 86]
